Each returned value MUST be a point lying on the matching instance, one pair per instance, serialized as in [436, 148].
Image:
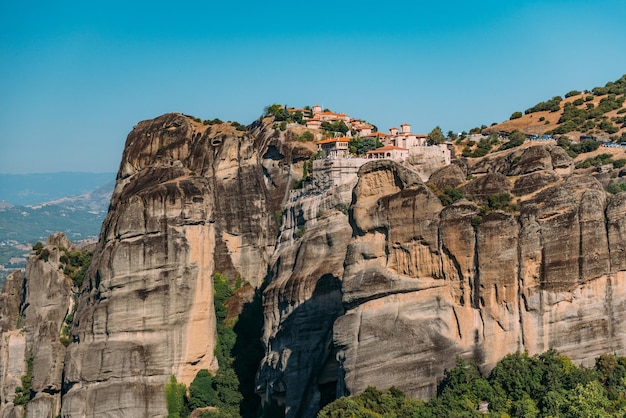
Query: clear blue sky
[76, 76]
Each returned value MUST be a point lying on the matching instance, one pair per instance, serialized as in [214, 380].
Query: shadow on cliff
[248, 352]
[310, 376]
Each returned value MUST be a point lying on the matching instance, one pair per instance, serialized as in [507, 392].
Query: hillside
[599, 112]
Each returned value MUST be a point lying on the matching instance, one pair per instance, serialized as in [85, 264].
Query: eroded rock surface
[371, 283]
[303, 300]
[422, 283]
[480, 285]
[190, 200]
[31, 331]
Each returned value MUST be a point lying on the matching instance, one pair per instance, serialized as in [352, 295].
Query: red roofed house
[388, 151]
[361, 127]
[313, 123]
[335, 147]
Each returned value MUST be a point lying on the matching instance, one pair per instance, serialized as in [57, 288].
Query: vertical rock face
[541, 279]
[31, 331]
[372, 283]
[12, 344]
[392, 276]
[48, 300]
[11, 300]
[303, 300]
[190, 200]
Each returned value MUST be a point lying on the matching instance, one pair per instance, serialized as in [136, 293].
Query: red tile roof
[331, 140]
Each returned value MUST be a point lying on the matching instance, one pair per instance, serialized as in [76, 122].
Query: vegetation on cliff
[75, 265]
[546, 385]
[599, 112]
[23, 392]
[230, 392]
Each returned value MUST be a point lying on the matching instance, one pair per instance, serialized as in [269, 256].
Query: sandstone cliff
[423, 283]
[31, 331]
[303, 300]
[374, 282]
[190, 200]
[453, 281]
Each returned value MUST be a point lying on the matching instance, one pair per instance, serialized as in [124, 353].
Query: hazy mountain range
[32, 189]
[33, 206]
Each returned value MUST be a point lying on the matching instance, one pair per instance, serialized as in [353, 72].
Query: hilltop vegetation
[598, 112]
[546, 385]
[589, 125]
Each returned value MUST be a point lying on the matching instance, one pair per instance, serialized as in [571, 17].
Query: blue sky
[76, 76]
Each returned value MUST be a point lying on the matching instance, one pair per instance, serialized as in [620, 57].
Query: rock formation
[371, 283]
[530, 281]
[31, 331]
[303, 300]
[190, 200]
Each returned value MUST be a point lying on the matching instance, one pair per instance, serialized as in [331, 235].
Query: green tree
[516, 115]
[616, 187]
[345, 408]
[225, 382]
[552, 105]
[336, 126]
[298, 117]
[516, 375]
[524, 408]
[516, 138]
[588, 401]
[435, 136]
[483, 148]
[201, 391]
[366, 144]
[461, 391]
[359, 146]
[306, 136]
[499, 201]
[612, 371]
[546, 385]
[373, 403]
[175, 398]
[449, 195]
[22, 393]
[279, 112]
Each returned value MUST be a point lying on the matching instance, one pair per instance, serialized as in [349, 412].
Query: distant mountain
[96, 201]
[32, 189]
[72, 203]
